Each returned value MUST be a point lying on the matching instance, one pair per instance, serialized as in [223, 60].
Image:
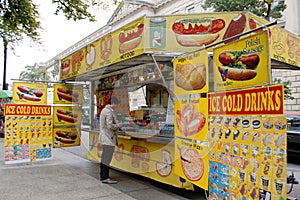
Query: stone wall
[294, 77]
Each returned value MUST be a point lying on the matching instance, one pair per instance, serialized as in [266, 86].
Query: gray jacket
[108, 127]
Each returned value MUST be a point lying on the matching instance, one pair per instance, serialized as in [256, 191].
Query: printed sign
[247, 144]
[263, 100]
[29, 93]
[67, 115]
[191, 118]
[192, 161]
[122, 44]
[243, 63]
[191, 73]
[68, 94]
[27, 133]
[285, 46]
[66, 136]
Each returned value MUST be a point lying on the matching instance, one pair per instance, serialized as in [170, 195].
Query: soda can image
[158, 32]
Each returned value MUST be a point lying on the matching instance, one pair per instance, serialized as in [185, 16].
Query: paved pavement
[70, 176]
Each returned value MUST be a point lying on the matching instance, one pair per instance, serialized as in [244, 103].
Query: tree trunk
[4, 86]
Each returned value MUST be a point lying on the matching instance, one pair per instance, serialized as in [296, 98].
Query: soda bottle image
[158, 32]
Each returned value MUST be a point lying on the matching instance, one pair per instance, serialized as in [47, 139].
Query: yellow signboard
[122, 44]
[28, 133]
[243, 63]
[285, 46]
[191, 118]
[184, 33]
[191, 73]
[191, 161]
[29, 93]
[67, 115]
[67, 94]
[66, 136]
[248, 144]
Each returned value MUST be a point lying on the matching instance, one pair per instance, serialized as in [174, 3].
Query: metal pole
[4, 86]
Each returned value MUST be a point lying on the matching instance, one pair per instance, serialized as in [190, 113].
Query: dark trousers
[107, 153]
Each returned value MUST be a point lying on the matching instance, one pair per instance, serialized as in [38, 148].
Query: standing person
[108, 138]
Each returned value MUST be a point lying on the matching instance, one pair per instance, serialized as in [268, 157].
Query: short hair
[113, 100]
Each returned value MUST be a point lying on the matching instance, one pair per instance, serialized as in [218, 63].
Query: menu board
[247, 144]
[28, 133]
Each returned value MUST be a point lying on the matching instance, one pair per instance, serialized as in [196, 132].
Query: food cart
[186, 116]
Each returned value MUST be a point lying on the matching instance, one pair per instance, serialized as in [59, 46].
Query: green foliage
[18, 18]
[287, 90]
[263, 8]
[34, 73]
[78, 9]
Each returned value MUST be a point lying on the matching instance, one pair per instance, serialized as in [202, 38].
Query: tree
[287, 90]
[20, 18]
[265, 8]
[35, 72]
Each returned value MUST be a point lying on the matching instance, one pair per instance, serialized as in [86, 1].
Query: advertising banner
[66, 136]
[262, 100]
[122, 44]
[67, 115]
[67, 94]
[29, 93]
[27, 133]
[192, 161]
[152, 160]
[184, 33]
[247, 144]
[191, 73]
[191, 118]
[243, 63]
[285, 46]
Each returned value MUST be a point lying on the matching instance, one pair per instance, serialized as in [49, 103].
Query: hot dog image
[238, 66]
[67, 94]
[66, 137]
[130, 38]
[28, 93]
[188, 121]
[235, 27]
[66, 116]
[65, 67]
[197, 31]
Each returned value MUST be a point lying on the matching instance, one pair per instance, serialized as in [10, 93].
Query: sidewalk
[68, 176]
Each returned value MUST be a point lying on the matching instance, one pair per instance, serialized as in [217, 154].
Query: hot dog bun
[238, 74]
[130, 44]
[190, 40]
[65, 140]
